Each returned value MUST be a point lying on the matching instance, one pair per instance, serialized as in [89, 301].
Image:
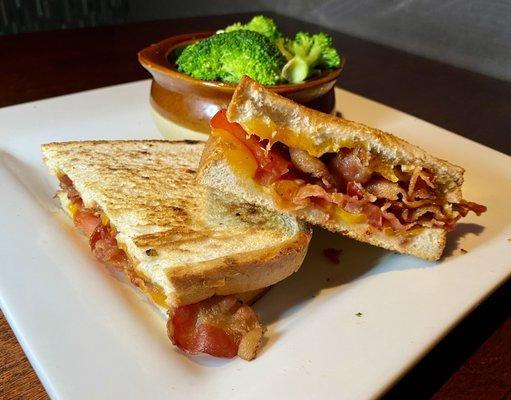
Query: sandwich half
[344, 176]
[199, 256]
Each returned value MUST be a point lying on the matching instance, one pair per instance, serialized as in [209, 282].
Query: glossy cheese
[152, 290]
[274, 133]
[236, 153]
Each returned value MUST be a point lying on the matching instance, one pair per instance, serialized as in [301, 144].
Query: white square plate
[90, 336]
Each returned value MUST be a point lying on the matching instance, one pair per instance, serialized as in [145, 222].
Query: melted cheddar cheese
[236, 153]
[347, 217]
[274, 133]
[154, 291]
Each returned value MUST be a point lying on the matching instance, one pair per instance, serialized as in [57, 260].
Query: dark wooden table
[474, 360]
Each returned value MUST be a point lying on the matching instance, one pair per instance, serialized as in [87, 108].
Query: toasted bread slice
[270, 116]
[217, 172]
[186, 240]
[316, 148]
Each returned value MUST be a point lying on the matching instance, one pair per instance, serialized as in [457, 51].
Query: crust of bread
[310, 129]
[201, 243]
[235, 274]
[217, 173]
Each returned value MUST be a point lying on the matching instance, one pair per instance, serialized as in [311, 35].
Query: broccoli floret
[226, 57]
[260, 24]
[306, 55]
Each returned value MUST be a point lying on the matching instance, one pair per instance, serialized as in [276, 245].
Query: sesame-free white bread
[184, 238]
[320, 133]
[271, 116]
[216, 172]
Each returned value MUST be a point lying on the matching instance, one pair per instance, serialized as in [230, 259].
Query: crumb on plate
[332, 254]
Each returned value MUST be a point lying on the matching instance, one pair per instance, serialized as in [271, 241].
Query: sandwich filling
[222, 326]
[352, 185]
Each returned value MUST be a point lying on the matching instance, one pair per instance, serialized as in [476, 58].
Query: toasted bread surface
[270, 116]
[188, 240]
[216, 172]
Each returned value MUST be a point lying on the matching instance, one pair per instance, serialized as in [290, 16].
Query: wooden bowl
[177, 98]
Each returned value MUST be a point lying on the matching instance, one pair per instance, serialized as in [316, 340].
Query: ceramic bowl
[178, 99]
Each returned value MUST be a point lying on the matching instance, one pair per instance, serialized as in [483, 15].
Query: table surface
[471, 362]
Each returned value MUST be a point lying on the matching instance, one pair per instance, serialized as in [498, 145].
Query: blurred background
[471, 34]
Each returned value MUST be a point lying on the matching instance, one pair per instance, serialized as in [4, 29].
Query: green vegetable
[306, 55]
[260, 24]
[226, 57]
[259, 50]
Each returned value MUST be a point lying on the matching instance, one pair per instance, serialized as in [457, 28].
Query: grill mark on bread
[151, 198]
[251, 102]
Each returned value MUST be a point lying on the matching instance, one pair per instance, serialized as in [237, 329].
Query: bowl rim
[155, 58]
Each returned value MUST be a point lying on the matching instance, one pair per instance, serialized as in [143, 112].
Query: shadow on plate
[319, 274]
[454, 238]
[357, 261]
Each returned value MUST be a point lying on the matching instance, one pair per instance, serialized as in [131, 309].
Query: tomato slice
[272, 163]
[220, 121]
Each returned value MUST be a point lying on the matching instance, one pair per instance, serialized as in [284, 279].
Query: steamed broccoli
[306, 55]
[228, 56]
[260, 24]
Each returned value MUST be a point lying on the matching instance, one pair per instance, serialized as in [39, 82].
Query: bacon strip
[67, 185]
[385, 189]
[106, 249]
[413, 181]
[374, 215]
[355, 189]
[84, 219]
[221, 326]
[351, 165]
[465, 206]
[355, 181]
[311, 165]
[391, 218]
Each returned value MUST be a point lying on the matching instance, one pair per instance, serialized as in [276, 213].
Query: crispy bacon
[419, 181]
[351, 165]
[374, 215]
[355, 205]
[431, 208]
[221, 326]
[67, 185]
[105, 247]
[311, 165]
[427, 178]
[413, 181]
[465, 206]
[102, 239]
[86, 220]
[356, 189]
[309, 190]
[309, 194]
[384, 189]
[347, 180]
[392, 220]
